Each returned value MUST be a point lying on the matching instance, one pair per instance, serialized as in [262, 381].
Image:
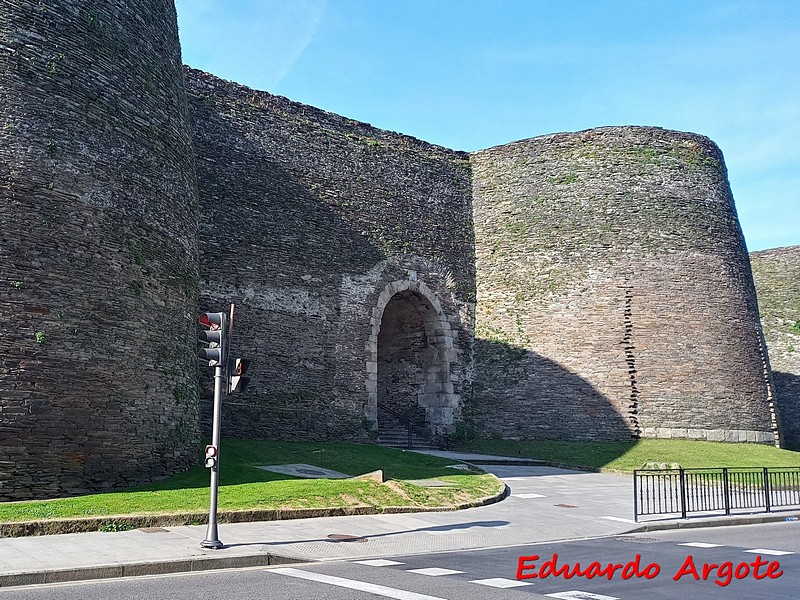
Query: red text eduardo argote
[529, 567]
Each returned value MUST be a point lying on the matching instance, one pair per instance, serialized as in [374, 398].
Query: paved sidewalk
[545, 504]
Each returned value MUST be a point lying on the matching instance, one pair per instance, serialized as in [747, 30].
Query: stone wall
[777, 278]
[98, 258]
[311, 223]
[614, 294]
[615, 298]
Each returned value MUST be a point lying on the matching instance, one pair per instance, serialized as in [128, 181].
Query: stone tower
[98, 247]
[615, 297]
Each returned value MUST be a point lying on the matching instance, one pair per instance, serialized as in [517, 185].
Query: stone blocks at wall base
[710, 435]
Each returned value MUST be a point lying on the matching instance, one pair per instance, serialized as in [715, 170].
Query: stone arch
[411, 340]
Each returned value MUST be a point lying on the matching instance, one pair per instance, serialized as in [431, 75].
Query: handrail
[403, 419]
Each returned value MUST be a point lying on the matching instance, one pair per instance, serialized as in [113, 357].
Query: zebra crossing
[434, 570]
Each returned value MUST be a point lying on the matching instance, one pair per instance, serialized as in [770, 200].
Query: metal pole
[682, 477]
[767, 499]
[212, 536]
[726, 488]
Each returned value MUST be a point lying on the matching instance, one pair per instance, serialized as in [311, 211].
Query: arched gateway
[409, 359]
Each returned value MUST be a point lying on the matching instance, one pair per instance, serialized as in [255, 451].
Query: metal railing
[723, 489]
[404, 420]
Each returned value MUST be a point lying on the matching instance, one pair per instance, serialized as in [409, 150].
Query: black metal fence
[715, 490]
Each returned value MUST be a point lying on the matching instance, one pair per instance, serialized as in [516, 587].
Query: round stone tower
[98, 248]
[615, 297]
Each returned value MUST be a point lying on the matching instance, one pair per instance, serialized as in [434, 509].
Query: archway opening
[412, 370]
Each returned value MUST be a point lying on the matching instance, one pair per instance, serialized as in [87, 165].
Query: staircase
[393, 431]
[397, 437]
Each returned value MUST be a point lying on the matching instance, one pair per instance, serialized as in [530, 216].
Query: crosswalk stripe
[620, 519]
[701, 545]
[770, 552]
[434, 571]
[378, 562]
[500, 582]
[578, 595]
[361, 586]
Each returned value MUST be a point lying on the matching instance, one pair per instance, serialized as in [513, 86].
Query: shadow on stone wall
[519, 394]
[787, 390]
[290, 246]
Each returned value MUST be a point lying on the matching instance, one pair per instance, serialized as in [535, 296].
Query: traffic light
[237, 382]
[214, 336]
[211, 456]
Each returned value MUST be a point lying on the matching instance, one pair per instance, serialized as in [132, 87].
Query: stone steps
[398, 438]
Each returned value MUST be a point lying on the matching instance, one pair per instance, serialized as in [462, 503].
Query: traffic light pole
[212, 536]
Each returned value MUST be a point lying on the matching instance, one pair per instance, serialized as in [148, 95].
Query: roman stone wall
[615, 297]
[311, 223]
[98, 257]
[777, 277]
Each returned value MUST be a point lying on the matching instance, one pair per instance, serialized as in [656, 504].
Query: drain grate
[638, 540]
[343, 537]
[153, 530]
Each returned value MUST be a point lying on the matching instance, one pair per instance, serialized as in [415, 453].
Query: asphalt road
[483, 574]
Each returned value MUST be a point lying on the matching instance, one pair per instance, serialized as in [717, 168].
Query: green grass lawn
[243, 486]
[627, 456]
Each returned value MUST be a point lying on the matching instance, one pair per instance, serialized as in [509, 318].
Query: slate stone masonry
[602, 292]
[615, 298]
[307, 218]
[777, 278]
[98, 248]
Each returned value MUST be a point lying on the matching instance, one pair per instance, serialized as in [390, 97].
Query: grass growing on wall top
[245, 487]
[627, 456]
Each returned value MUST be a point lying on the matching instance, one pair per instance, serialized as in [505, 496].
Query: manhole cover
[638, 540]
[566, 505]
[153, 530]
[343, 537]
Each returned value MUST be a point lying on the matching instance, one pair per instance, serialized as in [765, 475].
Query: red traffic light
[214, 336]
[212, 320]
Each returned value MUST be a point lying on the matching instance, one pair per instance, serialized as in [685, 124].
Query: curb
[127, 522]
[147, 568]
[721, 521]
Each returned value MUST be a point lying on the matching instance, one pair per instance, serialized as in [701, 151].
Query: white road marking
[434, 571]
[770, 552]
[361, 586]
[578, 595]
[701, 545]
[378, 562]
[620, 519]
[499, 582]
[514, 478]
[527, 495]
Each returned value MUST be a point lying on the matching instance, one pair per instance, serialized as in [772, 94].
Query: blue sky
[470, 74]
